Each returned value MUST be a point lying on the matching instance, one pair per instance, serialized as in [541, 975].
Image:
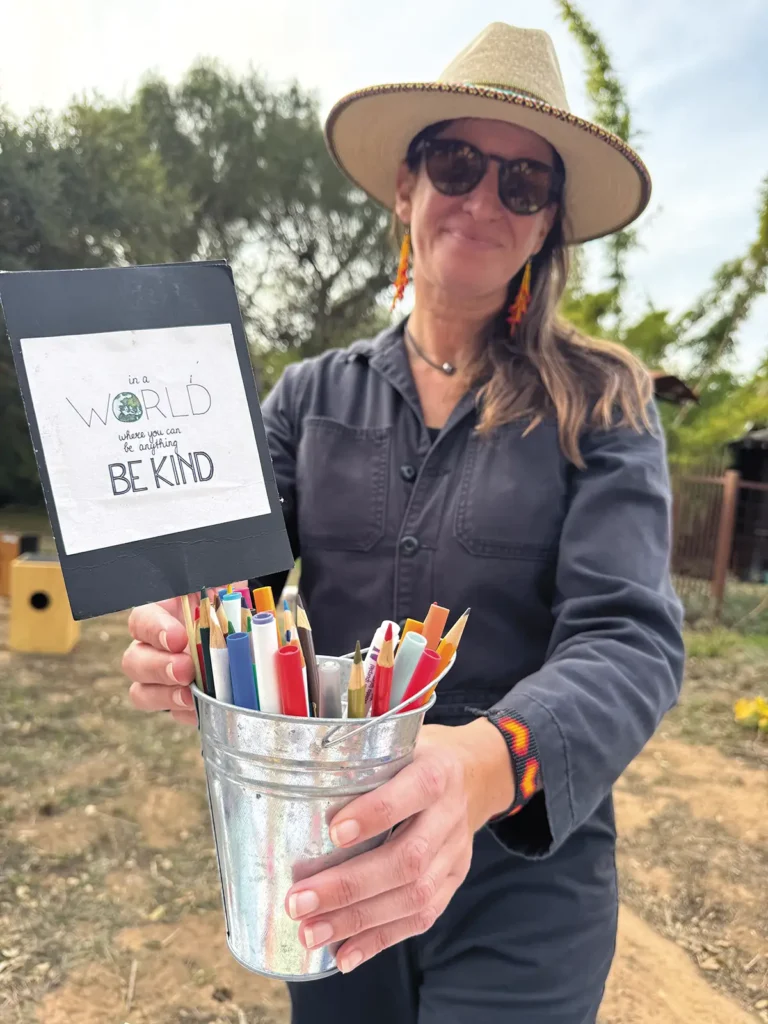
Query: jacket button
[408, 473]
[409, 545]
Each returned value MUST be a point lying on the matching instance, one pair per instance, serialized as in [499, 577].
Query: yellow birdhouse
[41, 619]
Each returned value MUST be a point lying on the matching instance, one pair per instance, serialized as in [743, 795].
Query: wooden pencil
[453, 636]
[190, 627]
[221, 615]
[310, 657]
[382, 681]
[245, 615]
[205, 640]
[356, 690]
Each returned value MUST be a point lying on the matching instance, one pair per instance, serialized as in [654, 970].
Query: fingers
[415, 788]
[398, 862]
[157, 626]
[366, 945]
[149, 697]
[406, 902]
[144, 664]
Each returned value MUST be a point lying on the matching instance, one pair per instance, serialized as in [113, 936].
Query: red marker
[382, 680]
[423, 674]
[293, 695]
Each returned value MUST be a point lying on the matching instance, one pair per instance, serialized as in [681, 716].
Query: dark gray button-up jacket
[574, 624]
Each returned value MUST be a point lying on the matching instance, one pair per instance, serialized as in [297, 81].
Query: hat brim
[368, 132]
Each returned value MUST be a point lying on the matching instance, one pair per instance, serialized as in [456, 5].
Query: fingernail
[350, 961]
[183, 698]
[169, 672]
[303, 903]
[164, 640]
[345, 833]
[318, 934]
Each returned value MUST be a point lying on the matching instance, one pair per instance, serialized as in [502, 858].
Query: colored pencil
[454, 634]
[437, 616]
[200, 657]
[356, 689]
[382, 683]
[190, 627]
[308, 647]
[245, 618]
[205, 640]
[292, 693]
[424, 673]
[218, 609]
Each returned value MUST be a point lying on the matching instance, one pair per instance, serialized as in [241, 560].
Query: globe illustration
[126, 407]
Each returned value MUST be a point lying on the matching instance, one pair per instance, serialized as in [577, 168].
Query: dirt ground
[109, 902]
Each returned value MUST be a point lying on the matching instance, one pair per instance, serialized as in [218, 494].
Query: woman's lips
[472, 240]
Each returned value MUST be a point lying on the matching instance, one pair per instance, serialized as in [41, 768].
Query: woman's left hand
[459, 778]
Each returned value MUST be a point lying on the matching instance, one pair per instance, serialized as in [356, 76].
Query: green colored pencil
[356, 690]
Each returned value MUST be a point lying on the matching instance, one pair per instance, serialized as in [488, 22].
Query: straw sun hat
[508, 74]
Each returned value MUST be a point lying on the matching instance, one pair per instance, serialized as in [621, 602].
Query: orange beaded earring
[402, 269]
[519, 307]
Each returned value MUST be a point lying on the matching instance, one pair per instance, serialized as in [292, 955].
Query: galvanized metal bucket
[274, 784]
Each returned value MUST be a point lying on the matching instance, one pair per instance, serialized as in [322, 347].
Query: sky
[695, 71]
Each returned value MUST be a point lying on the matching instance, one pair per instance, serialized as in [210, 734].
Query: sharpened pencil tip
[358, 654]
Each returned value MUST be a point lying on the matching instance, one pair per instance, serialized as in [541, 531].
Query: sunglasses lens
[525, 187]
[454, 168]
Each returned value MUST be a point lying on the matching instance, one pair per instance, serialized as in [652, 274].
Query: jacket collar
[386, 355]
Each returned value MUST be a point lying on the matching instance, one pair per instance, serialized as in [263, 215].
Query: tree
[310, 250]
[610, 108]
[218, 167]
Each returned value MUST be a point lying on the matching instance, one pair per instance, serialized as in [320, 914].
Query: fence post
[724, 538]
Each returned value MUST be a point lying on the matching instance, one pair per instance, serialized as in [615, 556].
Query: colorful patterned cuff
[524, 753]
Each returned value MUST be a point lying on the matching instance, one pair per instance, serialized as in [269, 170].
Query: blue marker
[241, 671]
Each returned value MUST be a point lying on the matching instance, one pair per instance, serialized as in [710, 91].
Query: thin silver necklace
[447, 368]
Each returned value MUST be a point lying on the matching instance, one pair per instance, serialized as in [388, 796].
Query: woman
[481, 454]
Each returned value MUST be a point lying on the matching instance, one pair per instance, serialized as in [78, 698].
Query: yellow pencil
[190, 627]
[453, 636]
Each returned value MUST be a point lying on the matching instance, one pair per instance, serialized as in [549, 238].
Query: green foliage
[707, 333]
[217, 167]
[610, 108]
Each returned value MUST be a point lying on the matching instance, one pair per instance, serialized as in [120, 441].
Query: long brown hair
[547, 367]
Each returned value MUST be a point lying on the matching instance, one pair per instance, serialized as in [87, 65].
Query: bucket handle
[332, 736]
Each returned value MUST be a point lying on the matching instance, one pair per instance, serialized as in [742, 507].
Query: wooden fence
[720, 532]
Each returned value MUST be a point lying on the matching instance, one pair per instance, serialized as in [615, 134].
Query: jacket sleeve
[281, 421]
[615, 660]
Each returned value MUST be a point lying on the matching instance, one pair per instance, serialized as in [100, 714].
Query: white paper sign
[145, 433]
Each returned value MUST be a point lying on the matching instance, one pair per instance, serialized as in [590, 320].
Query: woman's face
[472, 245]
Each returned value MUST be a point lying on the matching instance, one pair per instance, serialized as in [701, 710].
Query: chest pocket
[343, 474]
[512, 494]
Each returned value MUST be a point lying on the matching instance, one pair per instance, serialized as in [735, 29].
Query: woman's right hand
[158, 661]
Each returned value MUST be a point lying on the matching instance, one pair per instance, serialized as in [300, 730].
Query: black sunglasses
[455, 168]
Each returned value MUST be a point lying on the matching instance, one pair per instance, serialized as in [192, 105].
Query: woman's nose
[483, 201]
